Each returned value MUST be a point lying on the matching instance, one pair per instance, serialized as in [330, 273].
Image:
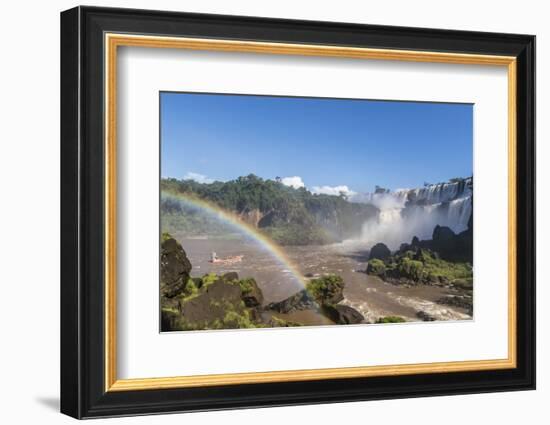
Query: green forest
[289, 216]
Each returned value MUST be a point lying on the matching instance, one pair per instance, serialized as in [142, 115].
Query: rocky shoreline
[229, 302]
[445, 260]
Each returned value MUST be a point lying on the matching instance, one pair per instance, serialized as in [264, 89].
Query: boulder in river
[343, 314]
[251, 293]
[324, 291]
[327, 289]
[175, 267]
[426, 317]
[379, 251]
[301, 300]
[230, 276]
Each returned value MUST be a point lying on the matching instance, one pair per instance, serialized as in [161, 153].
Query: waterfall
[459, 214]
[415, 212]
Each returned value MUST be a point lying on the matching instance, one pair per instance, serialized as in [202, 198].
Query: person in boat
[227, 260]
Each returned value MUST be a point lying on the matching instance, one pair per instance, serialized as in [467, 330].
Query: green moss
[411, 269]
[165, 236]
[390, 319]
[281, 323]
[246, 285]
[234, 319]
[466, 283]
[171, 320]
[324, 288]
[422, 266]
[209, 279]
[169, 310]
[376, 267]
[190, 291]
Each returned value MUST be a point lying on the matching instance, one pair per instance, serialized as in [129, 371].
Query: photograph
[285, 211]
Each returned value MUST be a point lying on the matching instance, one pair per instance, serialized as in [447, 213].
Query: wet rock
[175, 267]
[168, 320]
[343, 314]
[461, 301]
[422, 315]
[442, 234]
[463, 284]
[376, 267]
[327, 289]
[299, 301]
[448, 245]
[213, 303]
[230, 276]
[251, 293]
[198, 282]
[379, 251]
[255, 315]
[390, 319]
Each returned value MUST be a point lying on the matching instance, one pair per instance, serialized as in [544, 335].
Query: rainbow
[237, 223]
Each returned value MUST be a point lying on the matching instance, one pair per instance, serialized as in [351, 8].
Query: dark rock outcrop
[175, 267]
[327, 289]
[321, 294]
[448, 245]
[213, 304]
[168, 320]
[376, 267]
[426, 317]
[461, 301]
[379, 251]
[251, 293]
[343, 314]
[299, 301]
[420, 266]
[230, 276]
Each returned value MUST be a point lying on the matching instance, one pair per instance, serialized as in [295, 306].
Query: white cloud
[199, 178]
[333, 190]
[296, 182]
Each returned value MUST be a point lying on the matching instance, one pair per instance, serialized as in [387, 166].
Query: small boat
[214, 259]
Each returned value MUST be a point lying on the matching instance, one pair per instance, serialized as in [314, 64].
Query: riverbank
[370, 296]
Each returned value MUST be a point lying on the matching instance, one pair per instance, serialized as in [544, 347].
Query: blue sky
[324, 143]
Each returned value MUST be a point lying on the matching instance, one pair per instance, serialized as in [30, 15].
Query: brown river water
[369, 295]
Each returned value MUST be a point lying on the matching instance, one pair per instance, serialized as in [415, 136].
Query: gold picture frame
[114, 41]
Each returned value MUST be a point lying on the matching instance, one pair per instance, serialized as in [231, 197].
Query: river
[369, 295]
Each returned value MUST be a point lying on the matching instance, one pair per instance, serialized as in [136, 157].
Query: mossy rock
[175, 267]
[275, 322]
[376, 267]
[251, 293]
[465, 284]
[379, 251]
[170, 320]
[343, 314]
[390, 319]
[230, 276]
[327, 289]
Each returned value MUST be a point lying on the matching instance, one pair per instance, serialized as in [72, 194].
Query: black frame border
[82, 212]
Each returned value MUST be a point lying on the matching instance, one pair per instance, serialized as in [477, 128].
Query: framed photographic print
[261, 212]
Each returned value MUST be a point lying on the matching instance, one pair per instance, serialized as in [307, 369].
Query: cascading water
[415, 212]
